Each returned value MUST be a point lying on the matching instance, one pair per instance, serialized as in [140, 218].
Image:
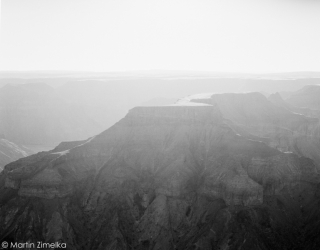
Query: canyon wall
[172, 177]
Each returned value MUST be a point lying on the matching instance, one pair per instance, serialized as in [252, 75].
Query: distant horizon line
[156, 70]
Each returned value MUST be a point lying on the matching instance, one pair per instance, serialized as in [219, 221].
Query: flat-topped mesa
[279, 126]
[186, 114]
[254, 109]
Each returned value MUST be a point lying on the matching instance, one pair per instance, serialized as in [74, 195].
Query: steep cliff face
[174, 177]
[307, 97]
[279, 101]
[279, 124]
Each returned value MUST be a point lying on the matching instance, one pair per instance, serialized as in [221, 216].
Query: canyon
[221, 171]
[34, 114]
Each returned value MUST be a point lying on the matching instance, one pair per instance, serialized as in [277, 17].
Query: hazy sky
[108, 35]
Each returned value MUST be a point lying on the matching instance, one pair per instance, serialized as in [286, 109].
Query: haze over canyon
[160, 160]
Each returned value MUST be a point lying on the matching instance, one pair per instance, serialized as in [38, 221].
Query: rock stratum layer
[174, 177]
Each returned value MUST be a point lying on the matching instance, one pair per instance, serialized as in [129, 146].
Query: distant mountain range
[41, 109]
[160, 73]
[96, 100]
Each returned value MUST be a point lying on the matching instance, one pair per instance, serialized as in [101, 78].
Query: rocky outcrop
[275, 122]
[173, 177]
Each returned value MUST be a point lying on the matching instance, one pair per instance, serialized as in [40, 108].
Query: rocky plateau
[228, 171]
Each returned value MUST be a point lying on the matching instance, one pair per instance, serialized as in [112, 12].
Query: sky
[248, 36]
